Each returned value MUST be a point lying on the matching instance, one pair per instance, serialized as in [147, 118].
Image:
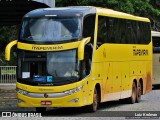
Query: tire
[139, 92]
[40, 109]
[132, 99]
[94, 106]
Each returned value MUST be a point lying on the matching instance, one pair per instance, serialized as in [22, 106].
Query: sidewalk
[8, 97]
[7, 87]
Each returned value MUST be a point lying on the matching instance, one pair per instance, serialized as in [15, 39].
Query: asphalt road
[150, 103]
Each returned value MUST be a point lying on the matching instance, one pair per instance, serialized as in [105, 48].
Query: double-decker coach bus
[156, 58]
[82, 56]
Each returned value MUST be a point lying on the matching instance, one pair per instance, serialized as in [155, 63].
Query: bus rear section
[156, 58]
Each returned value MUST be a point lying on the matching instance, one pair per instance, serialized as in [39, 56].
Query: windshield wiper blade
[72, 79]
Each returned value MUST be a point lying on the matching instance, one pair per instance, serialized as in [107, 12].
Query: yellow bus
[82, 56]
[156, 58]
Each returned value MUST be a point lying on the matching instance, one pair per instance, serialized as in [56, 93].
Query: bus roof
[155, 33]
[117, 14]
[82, 10]
[62, 11]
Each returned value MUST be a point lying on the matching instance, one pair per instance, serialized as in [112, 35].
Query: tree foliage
[137, 7]
[144, 8]
[7, 34]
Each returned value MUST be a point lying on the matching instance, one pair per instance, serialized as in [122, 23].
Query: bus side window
[89, 27]
[134, 32]
[110, 35]
[145, 31]
[102, 30]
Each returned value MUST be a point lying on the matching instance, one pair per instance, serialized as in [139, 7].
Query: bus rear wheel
[133, 97]
[139, 92]
[93, 107]
[40, 109]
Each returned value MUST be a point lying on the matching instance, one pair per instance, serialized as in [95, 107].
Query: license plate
[46, 102]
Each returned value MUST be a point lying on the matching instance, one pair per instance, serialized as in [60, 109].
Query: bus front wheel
[93, 107]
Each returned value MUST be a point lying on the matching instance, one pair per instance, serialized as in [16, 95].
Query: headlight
[22, 91]
[69, 92]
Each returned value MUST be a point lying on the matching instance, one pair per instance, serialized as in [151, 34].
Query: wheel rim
[139, 91]
[95, 100]
[134, 92]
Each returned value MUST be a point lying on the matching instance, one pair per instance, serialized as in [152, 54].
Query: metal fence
[8, 74]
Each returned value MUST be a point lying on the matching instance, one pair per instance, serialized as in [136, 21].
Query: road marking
[13, 97]
[10, 91]
[8, 97]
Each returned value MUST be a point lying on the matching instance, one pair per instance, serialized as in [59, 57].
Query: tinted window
[50, 29]
[89, 26]
[156, 44]
[123, 31]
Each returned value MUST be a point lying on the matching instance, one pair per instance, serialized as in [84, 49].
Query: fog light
[74, 100]
[72, 91]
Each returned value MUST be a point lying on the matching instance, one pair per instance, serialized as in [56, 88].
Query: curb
[7, 91]
[7, 87]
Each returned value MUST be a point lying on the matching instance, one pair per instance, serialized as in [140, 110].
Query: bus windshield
[50, 29]
[62, 67]
[63, 64]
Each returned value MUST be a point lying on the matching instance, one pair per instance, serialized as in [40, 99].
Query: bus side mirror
[8, 49]
[81, 48]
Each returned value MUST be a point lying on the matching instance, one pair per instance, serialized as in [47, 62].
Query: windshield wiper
[67, 79]
[72, 79]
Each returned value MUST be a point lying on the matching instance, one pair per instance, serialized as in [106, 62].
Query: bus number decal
[140, 52]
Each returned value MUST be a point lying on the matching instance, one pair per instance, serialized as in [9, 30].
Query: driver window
[88, 27]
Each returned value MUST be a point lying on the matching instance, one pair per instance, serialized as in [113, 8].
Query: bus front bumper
[73, 100]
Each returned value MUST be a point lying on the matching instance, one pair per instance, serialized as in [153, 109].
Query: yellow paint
[114, 67]
[49, 47]
[8, 49]
[117, 14]
[81, 48]
[48, 89]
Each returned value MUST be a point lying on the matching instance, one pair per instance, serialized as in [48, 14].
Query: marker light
[22, 91]
[69, 92]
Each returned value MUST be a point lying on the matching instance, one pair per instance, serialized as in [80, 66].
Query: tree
[144, 8]
[7, 34]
